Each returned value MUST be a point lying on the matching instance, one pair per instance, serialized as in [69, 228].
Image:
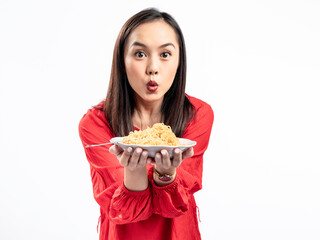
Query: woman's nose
[152, 68]
[153, 72]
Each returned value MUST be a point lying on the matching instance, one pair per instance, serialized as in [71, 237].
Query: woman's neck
[146, 114]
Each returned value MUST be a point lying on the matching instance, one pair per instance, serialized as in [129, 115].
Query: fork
[96, 145]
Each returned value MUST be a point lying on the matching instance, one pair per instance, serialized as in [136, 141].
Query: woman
[139, 200]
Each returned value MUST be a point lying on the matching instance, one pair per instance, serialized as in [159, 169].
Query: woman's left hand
[164, 164]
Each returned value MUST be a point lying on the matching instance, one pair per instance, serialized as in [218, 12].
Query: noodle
[159, 134]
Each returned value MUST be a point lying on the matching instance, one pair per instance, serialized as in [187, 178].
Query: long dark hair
[176, 108]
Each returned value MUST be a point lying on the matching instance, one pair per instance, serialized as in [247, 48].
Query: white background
[255, 62]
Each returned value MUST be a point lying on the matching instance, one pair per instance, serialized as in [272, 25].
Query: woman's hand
[137, 160]
[135, 171]
[165, 165]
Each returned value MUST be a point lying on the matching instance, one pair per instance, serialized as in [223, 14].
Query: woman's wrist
[137, 179]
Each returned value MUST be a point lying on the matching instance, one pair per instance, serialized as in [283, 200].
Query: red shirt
[156, 213]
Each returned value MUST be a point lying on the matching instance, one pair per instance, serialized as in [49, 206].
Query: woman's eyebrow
[167, 44]
[135, 43]
[138, 44]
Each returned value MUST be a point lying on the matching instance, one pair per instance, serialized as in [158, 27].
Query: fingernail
[138, 150]
[177, 151]
[144, 154]
[163, 152]
[129, 149]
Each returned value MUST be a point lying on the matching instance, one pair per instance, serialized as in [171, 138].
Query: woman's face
[151, 60]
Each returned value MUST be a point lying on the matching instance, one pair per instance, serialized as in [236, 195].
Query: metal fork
[96, 145]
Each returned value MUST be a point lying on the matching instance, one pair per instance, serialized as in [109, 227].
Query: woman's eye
[165, 55]
[140, 54]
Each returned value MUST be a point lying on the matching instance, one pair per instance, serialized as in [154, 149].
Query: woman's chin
[151, 98]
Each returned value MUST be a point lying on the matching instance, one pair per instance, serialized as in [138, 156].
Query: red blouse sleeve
[173, 200]
[121, 205]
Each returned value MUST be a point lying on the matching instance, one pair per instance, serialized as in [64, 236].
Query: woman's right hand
[135, 171]
[137, 160]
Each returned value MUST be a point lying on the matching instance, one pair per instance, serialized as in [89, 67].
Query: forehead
[153, 33]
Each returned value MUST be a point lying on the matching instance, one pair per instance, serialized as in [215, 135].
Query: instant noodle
[158, 134]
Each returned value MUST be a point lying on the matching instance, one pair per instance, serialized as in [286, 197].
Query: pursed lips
[152, 86]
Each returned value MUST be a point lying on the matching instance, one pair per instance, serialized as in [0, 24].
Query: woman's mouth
[152, 86]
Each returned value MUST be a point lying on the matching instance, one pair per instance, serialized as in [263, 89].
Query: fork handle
[96, 145]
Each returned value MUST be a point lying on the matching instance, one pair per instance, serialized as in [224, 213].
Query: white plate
[153, 149]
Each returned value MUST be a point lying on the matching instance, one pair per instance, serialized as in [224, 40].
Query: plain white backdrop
[255, 62]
